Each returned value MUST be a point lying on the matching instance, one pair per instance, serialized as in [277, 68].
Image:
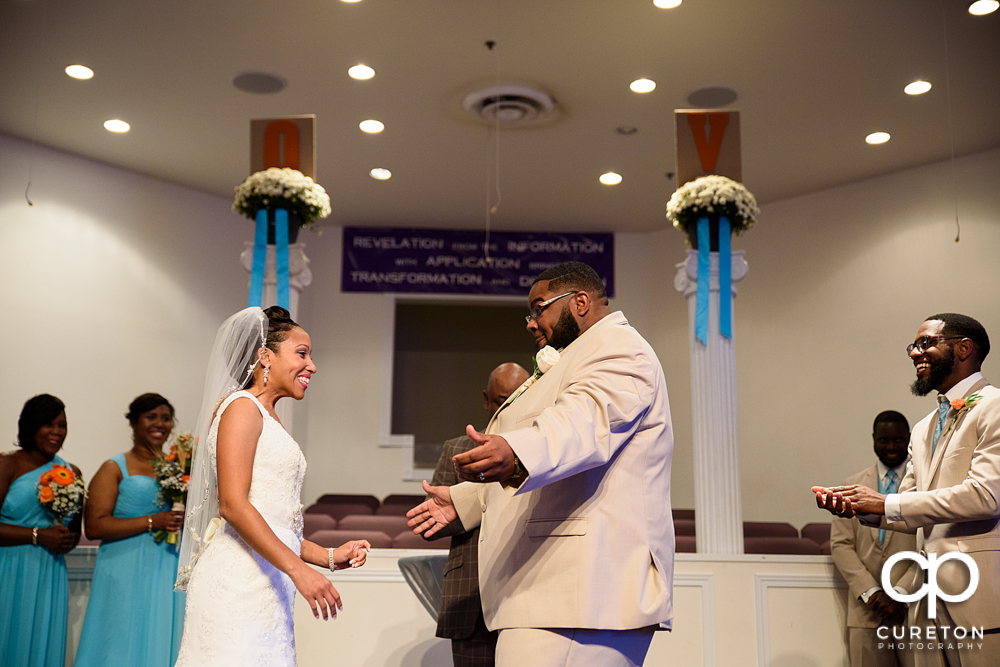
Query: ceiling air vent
[510, 106]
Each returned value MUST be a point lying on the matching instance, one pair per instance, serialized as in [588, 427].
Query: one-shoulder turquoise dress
[133, 616]
[34, 603]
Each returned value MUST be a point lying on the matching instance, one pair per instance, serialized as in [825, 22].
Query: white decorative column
[299, 277]
[718, 510]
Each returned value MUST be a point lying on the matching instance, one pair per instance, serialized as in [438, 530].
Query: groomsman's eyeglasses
[536, 312]
[924, 343]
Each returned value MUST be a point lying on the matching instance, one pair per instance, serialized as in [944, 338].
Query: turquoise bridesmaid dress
[34, 603]
[133, 616]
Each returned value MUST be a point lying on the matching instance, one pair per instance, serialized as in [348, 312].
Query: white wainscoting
[733, 611]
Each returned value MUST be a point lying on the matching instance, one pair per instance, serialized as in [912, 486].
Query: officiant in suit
[950, 495]
[460, 618]
[570, 486]
[859, 552]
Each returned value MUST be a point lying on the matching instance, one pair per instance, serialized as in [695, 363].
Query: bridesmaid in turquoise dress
[34, 604]
[133, 616]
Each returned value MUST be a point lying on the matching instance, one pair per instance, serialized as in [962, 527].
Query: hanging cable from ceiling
[491, 209]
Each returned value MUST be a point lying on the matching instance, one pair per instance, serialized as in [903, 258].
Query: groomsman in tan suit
[460, 618]
[860, 551]
[950, 495]
[570, 485]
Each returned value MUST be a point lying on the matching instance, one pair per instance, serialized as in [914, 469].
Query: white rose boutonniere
[546, 358]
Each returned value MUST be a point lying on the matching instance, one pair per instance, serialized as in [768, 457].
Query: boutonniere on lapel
[546, 358]
[961, 406]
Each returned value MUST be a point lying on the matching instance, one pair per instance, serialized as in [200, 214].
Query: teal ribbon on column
[704, 280]
[259, 254]
[704, 275]
[281, 255]
[725, 280]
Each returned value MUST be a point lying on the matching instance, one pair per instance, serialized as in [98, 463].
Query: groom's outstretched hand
[434, 513]
[491, 461]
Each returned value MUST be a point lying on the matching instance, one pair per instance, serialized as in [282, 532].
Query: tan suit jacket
[859, 556]
[952, 501]
[587, 540]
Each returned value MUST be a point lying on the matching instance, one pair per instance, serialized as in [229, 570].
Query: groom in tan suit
[571, 488]
[860, 551]
[460, 618]
[950, 495]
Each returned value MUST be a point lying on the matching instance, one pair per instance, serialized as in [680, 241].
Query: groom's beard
[939, 370]
[565, 331]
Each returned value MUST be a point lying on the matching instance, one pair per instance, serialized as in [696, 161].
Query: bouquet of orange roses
[61, 491]
[172, 472]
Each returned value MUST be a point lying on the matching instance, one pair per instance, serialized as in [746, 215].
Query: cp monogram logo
[930, 587]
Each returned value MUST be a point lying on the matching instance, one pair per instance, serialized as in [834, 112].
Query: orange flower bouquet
[172, 472]
[61, 491]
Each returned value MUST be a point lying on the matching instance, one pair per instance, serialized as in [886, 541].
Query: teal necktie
[943, 407]
[889, 486]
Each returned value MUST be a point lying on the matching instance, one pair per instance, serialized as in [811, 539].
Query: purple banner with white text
[449, 261]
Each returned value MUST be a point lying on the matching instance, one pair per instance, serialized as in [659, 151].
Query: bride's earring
[267, 369]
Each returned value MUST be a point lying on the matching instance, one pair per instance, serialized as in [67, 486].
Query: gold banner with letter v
[284, 142]
[708, 142]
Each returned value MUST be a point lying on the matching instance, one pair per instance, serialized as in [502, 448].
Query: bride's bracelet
[333, 566]
[34, 539]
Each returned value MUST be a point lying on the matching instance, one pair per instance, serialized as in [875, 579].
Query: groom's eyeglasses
[536, 312]
[924, 343]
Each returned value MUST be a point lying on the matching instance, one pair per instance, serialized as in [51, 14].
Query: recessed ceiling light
[116, 125]
[350, 1]
[917, 88]
[983, 7]
[259, 83]
[642, 85]
[361, 72]
[667, 4]
[380, 174]
[877, 138]
[371, 126]
[80, 72]
[611, 178]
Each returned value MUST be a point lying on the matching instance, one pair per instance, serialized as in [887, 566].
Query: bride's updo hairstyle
[279, 323]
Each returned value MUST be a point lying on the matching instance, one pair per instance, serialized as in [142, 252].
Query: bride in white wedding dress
[242, 554]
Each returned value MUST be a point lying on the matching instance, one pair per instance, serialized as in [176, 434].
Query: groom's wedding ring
[482, 477]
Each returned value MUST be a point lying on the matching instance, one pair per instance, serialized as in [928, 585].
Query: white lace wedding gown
[239, 606]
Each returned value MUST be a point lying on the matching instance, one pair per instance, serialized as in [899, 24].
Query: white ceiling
[814, 78]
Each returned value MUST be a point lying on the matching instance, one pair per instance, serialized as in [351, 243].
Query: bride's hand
[351, 554]
[318, 592]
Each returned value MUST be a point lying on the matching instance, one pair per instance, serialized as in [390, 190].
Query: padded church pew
[352, 498]
[817, 532]
[313, 522]
[339, 510]
[387, 523]
[780, 545]
[407, 540]
[684, 527]
[399, 504]
[685, 544]
[335, 538]
[769, 529]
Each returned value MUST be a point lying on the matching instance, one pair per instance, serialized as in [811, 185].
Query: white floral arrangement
[282, 188]
[713, 197]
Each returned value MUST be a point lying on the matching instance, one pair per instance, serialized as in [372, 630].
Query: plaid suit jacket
[461, 605]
